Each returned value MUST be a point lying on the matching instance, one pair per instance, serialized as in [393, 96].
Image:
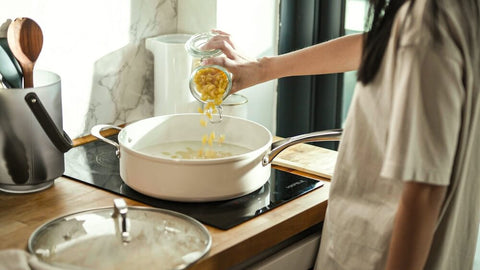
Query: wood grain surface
[307, 158]
[21, 214]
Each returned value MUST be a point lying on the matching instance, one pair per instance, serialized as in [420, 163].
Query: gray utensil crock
[29, 159]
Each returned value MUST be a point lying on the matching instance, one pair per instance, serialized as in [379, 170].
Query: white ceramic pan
[194, 180]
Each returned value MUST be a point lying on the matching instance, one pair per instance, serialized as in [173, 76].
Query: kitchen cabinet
[296, 253]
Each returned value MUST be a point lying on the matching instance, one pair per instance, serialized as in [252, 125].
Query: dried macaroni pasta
[211, 83]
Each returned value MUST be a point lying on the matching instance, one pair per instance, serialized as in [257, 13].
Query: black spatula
[9, 67]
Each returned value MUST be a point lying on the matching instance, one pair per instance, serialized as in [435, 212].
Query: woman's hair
[379, 26]
[380, 21]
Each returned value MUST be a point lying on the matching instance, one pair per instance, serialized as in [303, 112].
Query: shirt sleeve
[426, 116]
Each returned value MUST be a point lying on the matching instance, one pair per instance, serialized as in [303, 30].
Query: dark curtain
[309, 103]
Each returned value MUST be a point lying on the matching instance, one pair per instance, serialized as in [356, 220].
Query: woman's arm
[338, 55]
[414, 226]
[334, 56]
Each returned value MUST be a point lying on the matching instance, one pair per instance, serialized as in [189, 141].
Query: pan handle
[95, 131]
[331, 135]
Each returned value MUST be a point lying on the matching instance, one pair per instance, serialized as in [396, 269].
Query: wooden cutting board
[308, 158]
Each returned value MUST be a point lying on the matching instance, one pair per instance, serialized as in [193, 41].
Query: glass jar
[220, 78]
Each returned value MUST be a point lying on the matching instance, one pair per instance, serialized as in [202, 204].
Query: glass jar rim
[195, 43]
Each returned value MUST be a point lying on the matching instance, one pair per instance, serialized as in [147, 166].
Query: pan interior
[183, 128]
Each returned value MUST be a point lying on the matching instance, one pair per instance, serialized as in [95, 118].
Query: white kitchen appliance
[172, 68]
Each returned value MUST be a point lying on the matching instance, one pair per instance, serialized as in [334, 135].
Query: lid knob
[120, 210]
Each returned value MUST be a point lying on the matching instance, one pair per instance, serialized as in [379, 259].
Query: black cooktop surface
[96, 164]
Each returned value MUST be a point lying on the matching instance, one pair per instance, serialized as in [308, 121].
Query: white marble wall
[123, 79]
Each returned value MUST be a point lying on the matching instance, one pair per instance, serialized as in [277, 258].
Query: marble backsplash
[123, 79]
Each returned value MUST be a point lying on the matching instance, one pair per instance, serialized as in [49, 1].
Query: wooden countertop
[21, 214]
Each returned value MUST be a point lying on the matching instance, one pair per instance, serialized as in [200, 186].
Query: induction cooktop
[96, 164]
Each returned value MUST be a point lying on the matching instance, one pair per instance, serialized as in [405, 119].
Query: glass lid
[121, 237]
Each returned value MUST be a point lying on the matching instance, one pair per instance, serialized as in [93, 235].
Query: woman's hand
[245, 71]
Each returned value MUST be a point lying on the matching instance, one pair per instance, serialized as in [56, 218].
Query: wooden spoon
[25, 39]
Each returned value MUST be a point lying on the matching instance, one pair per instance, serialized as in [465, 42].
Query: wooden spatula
[25, 39]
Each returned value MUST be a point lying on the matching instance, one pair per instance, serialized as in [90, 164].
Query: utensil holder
[29, 160]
